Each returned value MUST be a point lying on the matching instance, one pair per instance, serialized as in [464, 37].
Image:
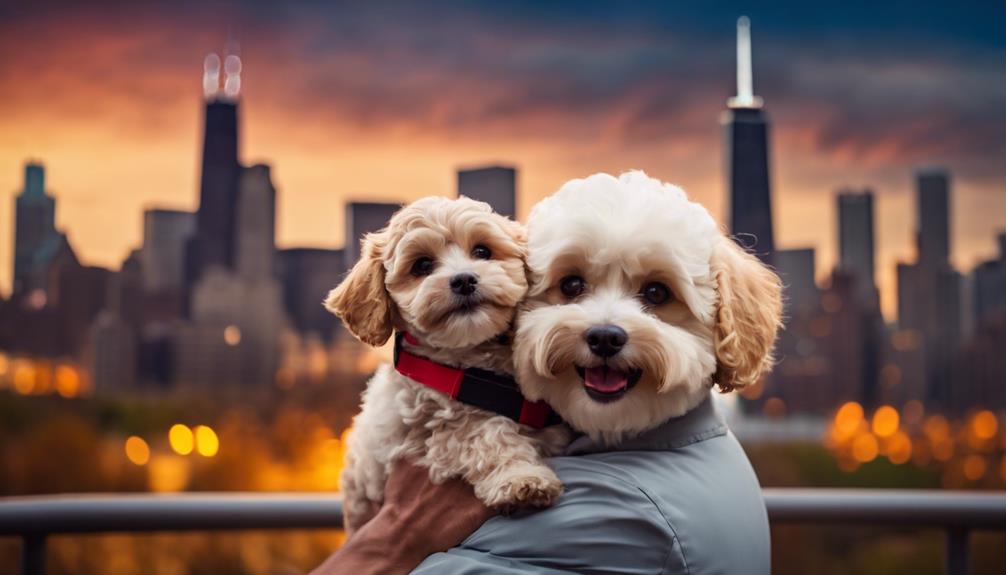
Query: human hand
[418, 518]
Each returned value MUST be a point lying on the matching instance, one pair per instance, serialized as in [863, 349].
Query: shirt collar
[699, 424]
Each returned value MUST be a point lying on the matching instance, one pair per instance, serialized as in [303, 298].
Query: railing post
[33, 554]
[958, 561]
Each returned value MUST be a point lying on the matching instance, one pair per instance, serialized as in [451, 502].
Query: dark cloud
[869, 80]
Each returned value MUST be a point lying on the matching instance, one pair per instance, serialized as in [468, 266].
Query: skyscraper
[981, 362]
[745, 130]
[256, 224]
[238, 313]
[856, 243]
[796, 269]
[494, 185]
[933, 216]
[112, 354]
[990, 285]
[36, 240]
[929, 291]
[78, 293]
[213, 244]
[165, 234]
[856, 336]
[308, 274]
[363, 218]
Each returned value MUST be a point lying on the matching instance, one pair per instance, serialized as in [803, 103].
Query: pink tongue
[605, 379]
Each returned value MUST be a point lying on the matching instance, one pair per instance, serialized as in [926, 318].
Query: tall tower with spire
[213, 243]
[745, 130]
[36, 239]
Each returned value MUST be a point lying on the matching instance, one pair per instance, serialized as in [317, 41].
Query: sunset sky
[384, 101]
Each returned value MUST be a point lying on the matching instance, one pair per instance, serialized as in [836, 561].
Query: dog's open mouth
[604, 383]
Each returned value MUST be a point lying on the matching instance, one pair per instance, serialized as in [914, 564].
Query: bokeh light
[943, 449]
[24, 378]
[847, 419]
[137, 450]
[885, 421]
[936, 428]
[984, 425]
[974, 467]
[774, 407]
[181, 439]
[232, 335]
[67, 381]
[168, 473]
[865, 447]
[43, 377]
[207, 442]
[899, 448]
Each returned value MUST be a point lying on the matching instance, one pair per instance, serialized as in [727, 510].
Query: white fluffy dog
[451, 274]
[638, 305]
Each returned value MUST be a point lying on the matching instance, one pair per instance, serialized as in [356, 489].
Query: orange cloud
[111, 103]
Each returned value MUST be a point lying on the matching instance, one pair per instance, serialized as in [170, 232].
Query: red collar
[477, 387]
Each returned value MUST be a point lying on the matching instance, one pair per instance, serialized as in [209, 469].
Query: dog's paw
[525, 487]
[536, 491]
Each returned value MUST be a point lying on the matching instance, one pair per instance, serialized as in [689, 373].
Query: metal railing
[33, 519]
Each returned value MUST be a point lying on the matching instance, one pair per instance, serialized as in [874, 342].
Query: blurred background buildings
[208, 303]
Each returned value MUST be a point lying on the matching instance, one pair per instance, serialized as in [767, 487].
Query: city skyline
[105, 167]
[182, 184]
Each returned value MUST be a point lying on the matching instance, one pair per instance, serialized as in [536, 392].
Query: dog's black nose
[606, 340]
[464, 284]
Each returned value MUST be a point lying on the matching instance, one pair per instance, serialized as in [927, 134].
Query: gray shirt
[680, 498]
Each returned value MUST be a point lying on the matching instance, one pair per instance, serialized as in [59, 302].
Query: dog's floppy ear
[361, 300]
[517, 233]
[748, 316]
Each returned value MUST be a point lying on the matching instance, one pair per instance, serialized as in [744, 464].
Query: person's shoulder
[702, 491]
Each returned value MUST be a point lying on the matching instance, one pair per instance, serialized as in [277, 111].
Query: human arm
[418, 518]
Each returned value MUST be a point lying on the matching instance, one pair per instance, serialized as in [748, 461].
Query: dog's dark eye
[480, 252]
[572, 286]
[422, 267]
[656, 293]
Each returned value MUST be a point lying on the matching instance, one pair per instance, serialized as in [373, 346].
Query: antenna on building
[211, 76]
[232, 80]
[232, 71]
[745, 82]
